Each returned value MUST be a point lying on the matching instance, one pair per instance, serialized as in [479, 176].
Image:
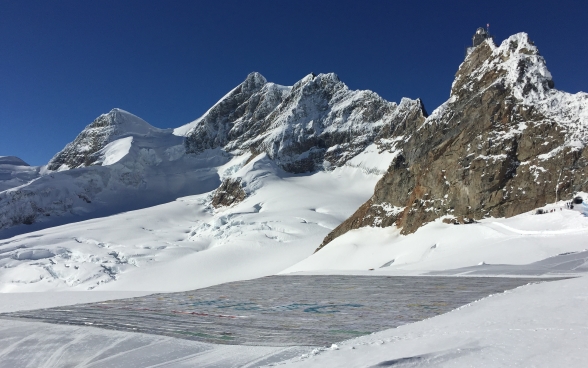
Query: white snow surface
[373, 160]
[113, 152]
[519, 240]
[186, 244]
[34, 344]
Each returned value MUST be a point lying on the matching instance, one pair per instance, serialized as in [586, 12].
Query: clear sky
[64, 62]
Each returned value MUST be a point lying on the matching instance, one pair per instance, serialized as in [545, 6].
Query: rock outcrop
[230, 192]
[504, 143]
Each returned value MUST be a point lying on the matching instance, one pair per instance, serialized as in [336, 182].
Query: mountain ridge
[119, 158]
[500, 95]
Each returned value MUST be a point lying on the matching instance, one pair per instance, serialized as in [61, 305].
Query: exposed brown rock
[229, 193]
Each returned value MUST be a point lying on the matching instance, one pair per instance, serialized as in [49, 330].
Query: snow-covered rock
[88, 148]
[317, 123]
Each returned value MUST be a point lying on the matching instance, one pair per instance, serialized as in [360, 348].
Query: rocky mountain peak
[505, 142]
[104, 129]
[515, 64]
[316, 123]
[253, 83]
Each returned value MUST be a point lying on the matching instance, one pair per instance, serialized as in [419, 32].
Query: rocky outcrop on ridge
[316, 124]
[504, 143]
[229, 193]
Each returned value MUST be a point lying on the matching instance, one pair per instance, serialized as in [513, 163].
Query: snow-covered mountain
[316, 124]
[15, 172]
[117, 163]
[104, 142]
[120, 162]
[259, 174]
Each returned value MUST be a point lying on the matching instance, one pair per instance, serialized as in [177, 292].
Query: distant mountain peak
[106, 128]
[12, 160]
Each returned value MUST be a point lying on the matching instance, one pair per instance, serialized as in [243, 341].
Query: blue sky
[63, 63]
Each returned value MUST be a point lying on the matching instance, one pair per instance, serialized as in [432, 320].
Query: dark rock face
[504, 143]
[248, 103]
[317, 123]
[229, 193]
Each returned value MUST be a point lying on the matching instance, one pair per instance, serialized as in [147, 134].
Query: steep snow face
[317, 123]
[86, 148]
[15, 172]
[113, 152]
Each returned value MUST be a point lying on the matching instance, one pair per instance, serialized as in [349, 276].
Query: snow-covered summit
[85, 148]
[518, 66]
[12, 160]
[316, 123]
[15, 172]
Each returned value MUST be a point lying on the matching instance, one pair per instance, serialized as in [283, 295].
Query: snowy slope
[518, 240]
[15, 172]
[187, 243]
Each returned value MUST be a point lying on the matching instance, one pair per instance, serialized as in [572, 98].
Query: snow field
[186, 244]
[438, 246]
